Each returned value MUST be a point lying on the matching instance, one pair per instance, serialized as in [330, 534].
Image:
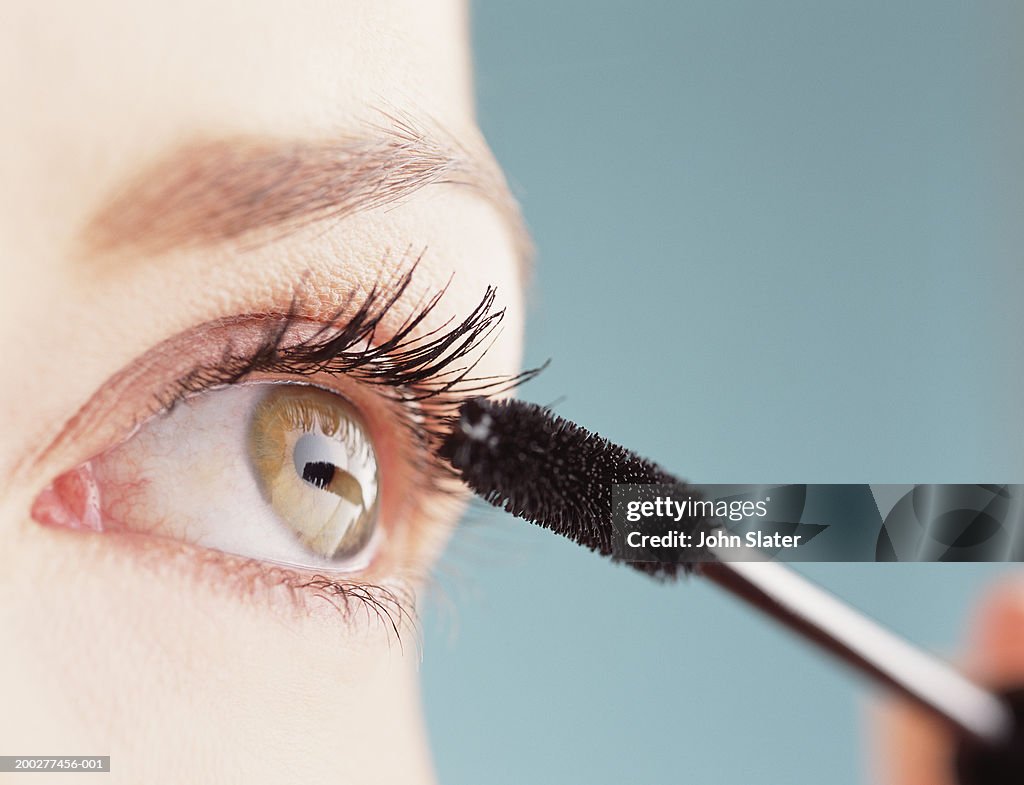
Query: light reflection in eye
[279, 472]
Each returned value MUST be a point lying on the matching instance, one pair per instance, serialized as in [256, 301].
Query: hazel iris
[316, 467]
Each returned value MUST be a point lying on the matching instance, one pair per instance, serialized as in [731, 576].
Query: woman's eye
[279, 472]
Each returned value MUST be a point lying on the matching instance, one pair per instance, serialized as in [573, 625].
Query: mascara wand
[522, 458]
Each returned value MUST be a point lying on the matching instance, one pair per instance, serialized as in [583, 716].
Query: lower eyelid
[382, 604]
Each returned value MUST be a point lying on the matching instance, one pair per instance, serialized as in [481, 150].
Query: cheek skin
[157, 665]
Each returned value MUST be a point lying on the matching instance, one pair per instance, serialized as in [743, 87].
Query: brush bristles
[550, 471]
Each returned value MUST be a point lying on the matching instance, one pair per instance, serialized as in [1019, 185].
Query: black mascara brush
[552, 472]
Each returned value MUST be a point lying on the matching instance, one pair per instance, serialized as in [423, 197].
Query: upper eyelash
[422, 373]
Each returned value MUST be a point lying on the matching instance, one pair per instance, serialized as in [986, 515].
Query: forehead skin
[109, 658]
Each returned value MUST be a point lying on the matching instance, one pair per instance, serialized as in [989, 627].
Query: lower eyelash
[392, 607]
[393, 611]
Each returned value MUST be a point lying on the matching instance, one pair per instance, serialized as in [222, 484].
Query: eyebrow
[261, 189]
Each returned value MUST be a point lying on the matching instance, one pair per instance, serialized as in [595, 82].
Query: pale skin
[115, 645]
[178, 676]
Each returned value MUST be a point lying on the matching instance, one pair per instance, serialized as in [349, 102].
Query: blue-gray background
[778, 241]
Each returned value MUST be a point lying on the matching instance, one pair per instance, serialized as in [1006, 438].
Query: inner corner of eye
[280, 472]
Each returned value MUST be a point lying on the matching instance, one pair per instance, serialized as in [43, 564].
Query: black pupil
[319, 473]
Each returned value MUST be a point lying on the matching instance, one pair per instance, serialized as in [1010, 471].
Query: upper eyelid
[425, 359]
